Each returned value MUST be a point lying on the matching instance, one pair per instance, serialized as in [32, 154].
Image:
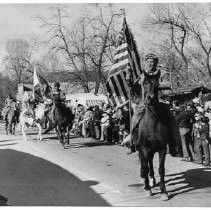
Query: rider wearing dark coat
[58, 98]
[139, 106]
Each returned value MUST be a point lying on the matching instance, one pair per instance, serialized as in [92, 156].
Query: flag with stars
[126, 58]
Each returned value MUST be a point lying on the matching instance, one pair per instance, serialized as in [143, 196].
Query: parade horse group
[153, 133]
[63, 118]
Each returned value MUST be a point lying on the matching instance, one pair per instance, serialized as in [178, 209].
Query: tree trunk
[86, 88]
[97, 86]
[208, 65]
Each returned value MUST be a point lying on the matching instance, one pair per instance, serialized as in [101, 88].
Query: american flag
[126, 58]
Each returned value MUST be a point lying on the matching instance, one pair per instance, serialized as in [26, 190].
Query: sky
[19, 20]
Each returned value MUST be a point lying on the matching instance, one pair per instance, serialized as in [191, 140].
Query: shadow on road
[27, 180]
[8, 144]
[5, 141]
[50, 138]
[91, 183]
[136, 185]
[90, 144]
[188, 181]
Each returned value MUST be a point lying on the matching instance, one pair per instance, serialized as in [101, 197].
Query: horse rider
[58, 98]
[8, 102]
[28, 104]
[151, 61]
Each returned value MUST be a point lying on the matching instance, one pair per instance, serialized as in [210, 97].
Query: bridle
[148, 100]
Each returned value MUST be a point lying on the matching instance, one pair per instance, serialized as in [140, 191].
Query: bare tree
[87, 46]
[103, 37]
[17, 62]
[196, 18]
[186, 27]
[168, 18]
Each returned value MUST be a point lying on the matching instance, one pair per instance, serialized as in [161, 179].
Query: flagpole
[130, 115]
[33, 84]
[130, 104]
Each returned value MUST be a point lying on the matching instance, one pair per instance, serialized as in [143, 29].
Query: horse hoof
[66, 146]
[164, 197]
[148, 193]
[152, 182]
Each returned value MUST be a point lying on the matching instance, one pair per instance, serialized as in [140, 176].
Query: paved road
[90, 174]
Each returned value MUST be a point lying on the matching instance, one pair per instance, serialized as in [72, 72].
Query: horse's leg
[40, 131]
[6, 127]
[145, 170]
[66, 138]
[68, 134]
[23, 127]
[141, 168]
[162, 157]
[152, 181]
[58, 133]
[10, 127]
[67, 141]
[13, 128]
[62, 135]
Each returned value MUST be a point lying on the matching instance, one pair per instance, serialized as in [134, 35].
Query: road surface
[90, 173]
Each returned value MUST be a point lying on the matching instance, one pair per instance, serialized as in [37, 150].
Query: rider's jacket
[8, 102]
[59, 97]
[136, 88]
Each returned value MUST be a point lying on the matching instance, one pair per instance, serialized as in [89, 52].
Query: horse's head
[150, 87]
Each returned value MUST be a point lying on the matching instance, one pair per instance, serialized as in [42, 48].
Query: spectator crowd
[102, 123]
[112, 125]
[194, 122]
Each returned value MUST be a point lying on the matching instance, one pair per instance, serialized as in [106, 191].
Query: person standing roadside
[184, 122]
[201, 139]
[97, 115]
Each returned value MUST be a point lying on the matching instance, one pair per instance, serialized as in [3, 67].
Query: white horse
[27, 120]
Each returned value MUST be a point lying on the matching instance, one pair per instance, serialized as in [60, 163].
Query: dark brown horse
[153, 135]
[62, 119]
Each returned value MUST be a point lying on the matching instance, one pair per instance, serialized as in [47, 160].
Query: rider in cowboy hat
[151, 61]
[59, 98]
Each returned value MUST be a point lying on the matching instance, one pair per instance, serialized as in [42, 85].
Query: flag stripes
[120, 80]
[126, 58]
[93, 102]
[121, 47]
[123, 59]
[117, 90]
[120, 65]
[111, 97]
